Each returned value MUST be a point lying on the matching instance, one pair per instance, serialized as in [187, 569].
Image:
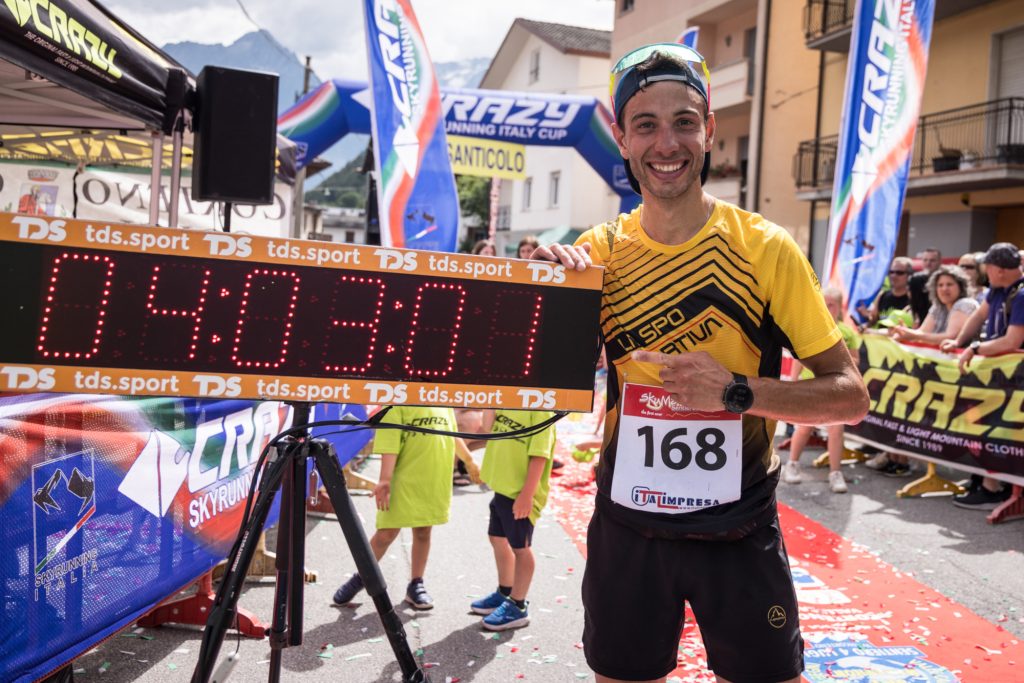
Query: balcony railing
[822, 17]
[977, 136]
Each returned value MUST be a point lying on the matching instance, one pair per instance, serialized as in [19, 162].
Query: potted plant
[948, 160]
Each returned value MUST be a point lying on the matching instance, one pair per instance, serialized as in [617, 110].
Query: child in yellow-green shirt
[518, 470]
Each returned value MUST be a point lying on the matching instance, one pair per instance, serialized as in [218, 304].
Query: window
[534, 66]
[627, 5]
[556, 177]
[527, 189]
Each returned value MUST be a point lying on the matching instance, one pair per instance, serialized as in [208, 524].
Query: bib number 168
[677, 454]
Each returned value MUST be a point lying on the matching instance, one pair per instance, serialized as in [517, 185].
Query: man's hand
[965, 360]
[576, 258]
[694, 379]
[382, 492]
[522, 506]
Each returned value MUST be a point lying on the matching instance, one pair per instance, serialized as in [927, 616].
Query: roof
[575, 40]
[570, 40]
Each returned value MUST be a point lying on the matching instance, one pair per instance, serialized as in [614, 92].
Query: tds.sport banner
[108, 505]
[419, 206]
[884, 81]
[338, 108]
[922, 406]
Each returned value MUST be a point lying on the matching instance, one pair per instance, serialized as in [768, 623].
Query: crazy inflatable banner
[923, 407]
[884, 81]
[108, 505]
[419, 206]
[338, 108]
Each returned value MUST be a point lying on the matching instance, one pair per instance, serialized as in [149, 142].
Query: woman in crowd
[950, 293]
[526, 246]
[970, 263]
[485, 248]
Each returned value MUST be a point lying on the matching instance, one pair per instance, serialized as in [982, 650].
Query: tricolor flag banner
[884, 82]
[689, 37]
[419, 206]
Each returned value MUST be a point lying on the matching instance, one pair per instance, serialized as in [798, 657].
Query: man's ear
[712, 127]
[619, 140]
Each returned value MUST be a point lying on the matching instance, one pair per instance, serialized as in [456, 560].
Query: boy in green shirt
[414, 491]
[518, 471]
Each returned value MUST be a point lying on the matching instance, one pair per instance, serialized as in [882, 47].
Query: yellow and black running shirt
[741, 290]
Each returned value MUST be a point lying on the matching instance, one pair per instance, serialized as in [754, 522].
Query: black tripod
[287, 473]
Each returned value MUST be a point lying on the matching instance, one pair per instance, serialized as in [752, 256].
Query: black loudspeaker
[235, 136]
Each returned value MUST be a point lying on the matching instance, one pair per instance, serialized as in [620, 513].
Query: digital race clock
[96, 308]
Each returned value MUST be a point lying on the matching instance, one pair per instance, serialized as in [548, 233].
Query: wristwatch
[738, 396]
[975, 346]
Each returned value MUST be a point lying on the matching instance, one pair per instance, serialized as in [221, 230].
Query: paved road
[954, 551]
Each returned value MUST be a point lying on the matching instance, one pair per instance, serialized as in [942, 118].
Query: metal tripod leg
[366, 564]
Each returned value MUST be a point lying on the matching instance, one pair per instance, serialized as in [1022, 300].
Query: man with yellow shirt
[699, 300]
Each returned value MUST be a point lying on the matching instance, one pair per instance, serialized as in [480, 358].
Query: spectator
[931, 258]
[897, 297]
[1002, 314]
[970, 263]
[526, 247]
[802, 433]
[949, 291]
[485, 248]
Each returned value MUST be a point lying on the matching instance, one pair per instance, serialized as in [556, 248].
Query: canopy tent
[79, 86]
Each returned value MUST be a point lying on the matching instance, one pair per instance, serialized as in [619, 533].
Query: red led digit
[257, 326]
[343, 336]
[431, 310]
[75, 308]
[174, 280]
[515, 319]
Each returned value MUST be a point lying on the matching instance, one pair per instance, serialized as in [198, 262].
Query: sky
[331, 31]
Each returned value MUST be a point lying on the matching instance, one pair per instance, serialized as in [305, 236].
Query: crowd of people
[968, 308]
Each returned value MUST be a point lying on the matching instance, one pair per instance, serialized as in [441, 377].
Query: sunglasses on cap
[898, 272]
[626, 81]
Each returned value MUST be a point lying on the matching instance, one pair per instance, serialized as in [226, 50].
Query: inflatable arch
[337, 108]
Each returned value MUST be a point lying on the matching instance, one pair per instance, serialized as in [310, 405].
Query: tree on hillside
[474, 197]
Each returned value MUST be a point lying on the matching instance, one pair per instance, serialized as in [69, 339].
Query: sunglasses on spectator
[897, 272]
[968, 266]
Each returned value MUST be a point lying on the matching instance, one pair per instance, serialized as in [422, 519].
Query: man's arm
[835, 394]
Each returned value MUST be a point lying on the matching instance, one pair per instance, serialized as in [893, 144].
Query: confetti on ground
[361, 655]
[104, 667]
[326, 652]
[172, 666]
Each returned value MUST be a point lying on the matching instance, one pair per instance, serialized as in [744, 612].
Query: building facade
[966, 186]
[561, 194]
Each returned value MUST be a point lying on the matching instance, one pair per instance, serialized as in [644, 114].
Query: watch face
[739, 398]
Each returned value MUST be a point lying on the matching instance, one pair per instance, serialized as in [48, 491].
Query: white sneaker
[791, 472]
[877, 462]
[836, 482]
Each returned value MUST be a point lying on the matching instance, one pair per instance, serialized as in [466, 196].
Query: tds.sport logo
[227, 245]
[546, 272]
[532, 398]
[40, 229]
[381, 393]
[392, 259]
[22, 378]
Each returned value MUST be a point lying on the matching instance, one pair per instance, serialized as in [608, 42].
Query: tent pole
[154, 177]
[172, 207]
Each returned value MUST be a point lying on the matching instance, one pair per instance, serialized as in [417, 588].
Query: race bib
[673, 460]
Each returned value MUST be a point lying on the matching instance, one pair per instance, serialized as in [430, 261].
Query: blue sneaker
[507, 616]
[487, 604]
[348, 590]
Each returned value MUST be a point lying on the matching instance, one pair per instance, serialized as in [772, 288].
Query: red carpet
[862, 619]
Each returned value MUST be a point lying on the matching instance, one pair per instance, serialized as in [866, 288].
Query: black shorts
[519, 532]
[741, 593]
